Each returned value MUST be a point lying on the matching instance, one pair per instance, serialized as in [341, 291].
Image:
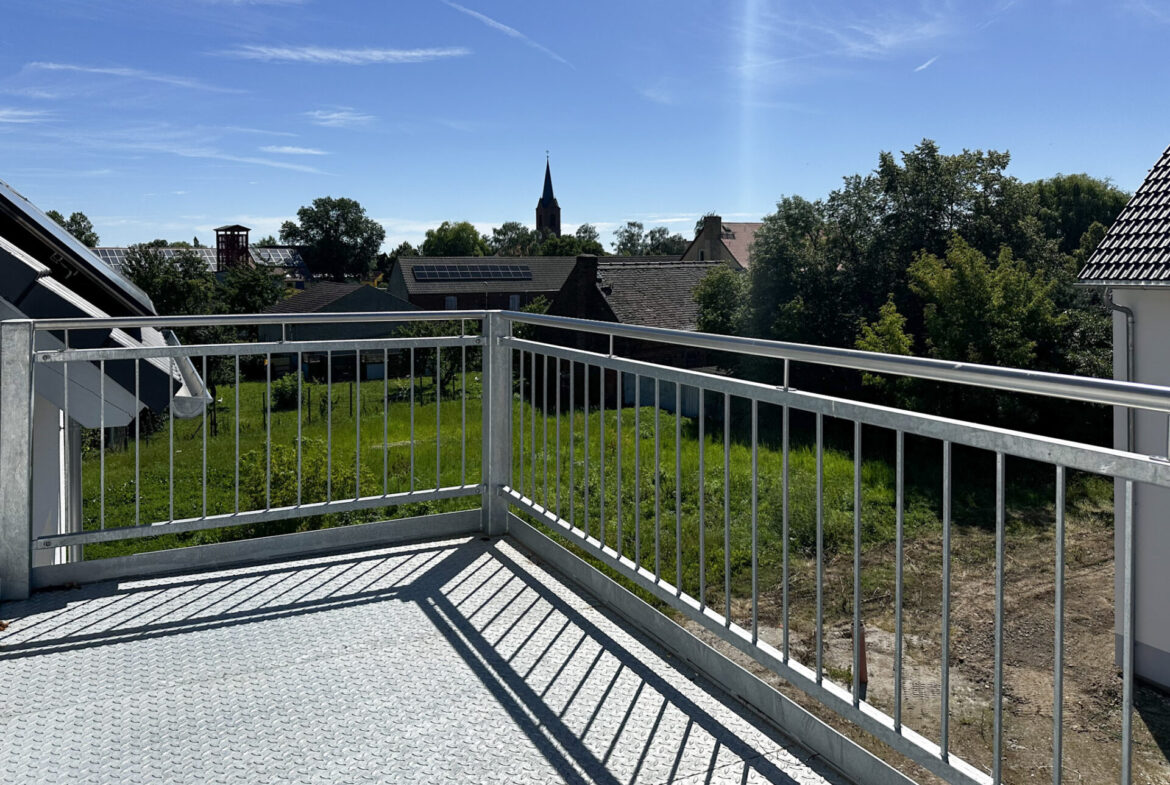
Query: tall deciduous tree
[181, 284]
[513, 239]
[78, 225]
[454, 239]
[338, 239]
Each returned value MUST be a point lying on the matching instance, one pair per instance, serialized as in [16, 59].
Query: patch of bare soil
[1092, 685]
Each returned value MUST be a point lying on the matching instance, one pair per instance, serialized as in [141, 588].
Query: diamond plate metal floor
[457, 661]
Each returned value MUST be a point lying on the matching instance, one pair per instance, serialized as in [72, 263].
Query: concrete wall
[1151, 365]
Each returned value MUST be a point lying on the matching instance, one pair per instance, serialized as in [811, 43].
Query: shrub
[284, 392]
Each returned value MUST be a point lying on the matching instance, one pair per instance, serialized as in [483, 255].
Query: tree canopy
[633, 240]
[337, 238]
[454, 239]
[78, 225]
[943, 255]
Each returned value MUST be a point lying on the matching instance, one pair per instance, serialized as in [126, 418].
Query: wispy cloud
[508, 31]
[657, 95]
[321, 55]
[261, 131]
[14, 116]
[291, 150]
[926, 65]
[341, 117]
[133, 73]
[1158, 11]
[167, 139]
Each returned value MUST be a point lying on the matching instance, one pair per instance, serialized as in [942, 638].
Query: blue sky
[170, 117]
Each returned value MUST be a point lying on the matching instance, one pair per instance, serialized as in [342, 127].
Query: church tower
[548, 212]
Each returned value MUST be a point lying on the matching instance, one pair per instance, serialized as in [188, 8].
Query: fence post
[497, 423]
[16, 346]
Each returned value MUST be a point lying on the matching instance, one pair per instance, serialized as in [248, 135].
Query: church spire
[548, 212]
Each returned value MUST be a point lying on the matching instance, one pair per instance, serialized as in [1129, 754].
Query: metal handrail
[1056, 385]
[244, 320]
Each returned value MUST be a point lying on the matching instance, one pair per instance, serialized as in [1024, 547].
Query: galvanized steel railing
[524, 382]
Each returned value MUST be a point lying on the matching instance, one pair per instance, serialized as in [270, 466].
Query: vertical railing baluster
[102, 447]
[386, 421]
[857, 563]
[412, 419]
[585, 447]
[726, 510]
[755, 521]
[357, 424]
[678, 488]
[520, 457]
[601, 454]
[268, 431]
[558, 439]
[702, 499]
[899, 525]
[1058, 630]
[171, 436]
[619, 393]
[945, 698]
[572, 444]
[820, 632]
[784, 524]
[1000, 567]
[463, 407]
[638, 470]
[544, 399]
[1127, 642]
[657, 482]
[300, 419]
[438, 416]
[532, 425]
[204, 378]
[329, 428]
[237, 427]
[137, 443]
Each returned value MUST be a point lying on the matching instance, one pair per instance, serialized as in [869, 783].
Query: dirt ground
[1092, 686]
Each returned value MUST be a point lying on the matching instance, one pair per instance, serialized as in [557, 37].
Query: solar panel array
[277, 257]
[472, 272]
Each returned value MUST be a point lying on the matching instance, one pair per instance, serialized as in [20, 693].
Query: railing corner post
[16, 350]
[497, 423]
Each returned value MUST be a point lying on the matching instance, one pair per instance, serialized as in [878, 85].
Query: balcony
[505, 547]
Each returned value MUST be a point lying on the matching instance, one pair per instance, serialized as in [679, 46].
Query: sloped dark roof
[548, 274]
[322, 296]
[653, 291]
[1136, 249]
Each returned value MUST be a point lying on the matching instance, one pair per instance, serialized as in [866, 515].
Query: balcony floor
[453, 661]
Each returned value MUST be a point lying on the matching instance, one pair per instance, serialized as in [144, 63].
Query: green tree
[722, 299]
[337, 238]
[250, 289]
[980, 312]
[660, 242]
[1069, 204]
[265, 241]
[78, 225]
[513, 239]
[630, 239]
[181, 284]
[587, 233]
[454, 239]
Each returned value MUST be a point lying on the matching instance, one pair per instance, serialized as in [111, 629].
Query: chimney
[711, 247]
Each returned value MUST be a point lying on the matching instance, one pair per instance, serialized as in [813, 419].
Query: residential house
[438, 283]
[339, 298]
[1133, 264]
[718, 240]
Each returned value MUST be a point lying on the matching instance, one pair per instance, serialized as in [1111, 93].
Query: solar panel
[472, 272]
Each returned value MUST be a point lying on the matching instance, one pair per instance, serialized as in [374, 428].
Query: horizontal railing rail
[1077, 388]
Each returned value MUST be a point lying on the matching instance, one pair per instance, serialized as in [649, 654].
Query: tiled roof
[548, 274]
[321, 296]
[1136, 249]
[738, 237]
[653, 291]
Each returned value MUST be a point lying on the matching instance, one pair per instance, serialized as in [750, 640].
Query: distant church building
[548, 212]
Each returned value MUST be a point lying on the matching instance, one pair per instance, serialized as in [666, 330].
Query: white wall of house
[1151, 327]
